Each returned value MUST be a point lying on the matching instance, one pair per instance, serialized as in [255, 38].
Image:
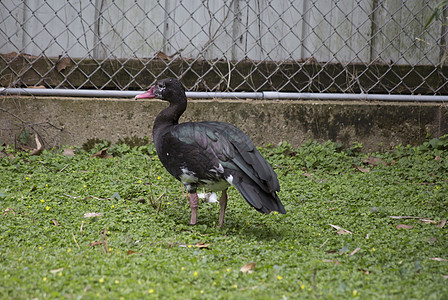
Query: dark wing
[222, 143]
[179, 152]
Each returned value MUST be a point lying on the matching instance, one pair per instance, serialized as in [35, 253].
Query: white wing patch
[218, 170]
[188, 176]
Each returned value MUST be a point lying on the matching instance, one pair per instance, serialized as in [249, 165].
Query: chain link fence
[345, 46]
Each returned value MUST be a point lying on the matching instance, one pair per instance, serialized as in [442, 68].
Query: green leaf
[24, 136]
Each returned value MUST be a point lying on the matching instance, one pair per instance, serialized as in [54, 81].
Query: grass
[49, 249]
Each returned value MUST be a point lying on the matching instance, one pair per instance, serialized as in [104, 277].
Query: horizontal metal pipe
[67, 92]
[226, 95]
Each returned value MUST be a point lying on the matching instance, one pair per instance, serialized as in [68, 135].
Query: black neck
[170, 115]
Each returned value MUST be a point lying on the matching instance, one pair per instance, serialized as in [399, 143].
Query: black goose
[214, 155]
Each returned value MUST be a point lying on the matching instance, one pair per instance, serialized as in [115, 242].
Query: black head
[168, 89]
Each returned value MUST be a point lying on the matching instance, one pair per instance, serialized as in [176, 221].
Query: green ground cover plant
[113, 224]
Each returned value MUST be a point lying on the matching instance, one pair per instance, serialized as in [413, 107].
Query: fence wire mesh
[344, 46]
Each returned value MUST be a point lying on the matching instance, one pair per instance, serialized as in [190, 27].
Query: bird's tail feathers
[261, 200]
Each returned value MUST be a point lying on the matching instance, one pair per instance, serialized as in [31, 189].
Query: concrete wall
[375, 125]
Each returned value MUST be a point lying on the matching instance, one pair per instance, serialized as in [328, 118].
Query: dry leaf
[432, 240]
[428, 221]
[343, 231]
[355, 251]
[374, 161]
[68, 152]
[130, 252]
[10, 55]
[55, 222]
[102, 154]
[424, 220]
[9, 210]
[441, 224]
[249, 268]
[361, 169]
[307, 174]
[340, 229]
[335, 226]
[56, 270]
[445, 276]
[29, 56]
[162, 55]
[39, 146]
[403, 226]
[95, 243]
[91, 215]
[202, 245]
[62, 64]
[438, 259]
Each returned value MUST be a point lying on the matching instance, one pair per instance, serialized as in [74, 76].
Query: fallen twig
[355, 251]
[158, 209]
[104, 240]
[151, 192]
[160, 197]
[323, 243]
[424, 220]
[340, 229]
[70, 196]
[74, 238]
[63, 168]
[40, 125]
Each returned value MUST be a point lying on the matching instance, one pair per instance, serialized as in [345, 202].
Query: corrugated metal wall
[342, 31]
[342, 46]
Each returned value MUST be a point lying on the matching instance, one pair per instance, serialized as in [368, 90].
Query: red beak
[147, 95]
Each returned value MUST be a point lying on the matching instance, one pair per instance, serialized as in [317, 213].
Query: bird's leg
[194, 203]
[223, 204]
